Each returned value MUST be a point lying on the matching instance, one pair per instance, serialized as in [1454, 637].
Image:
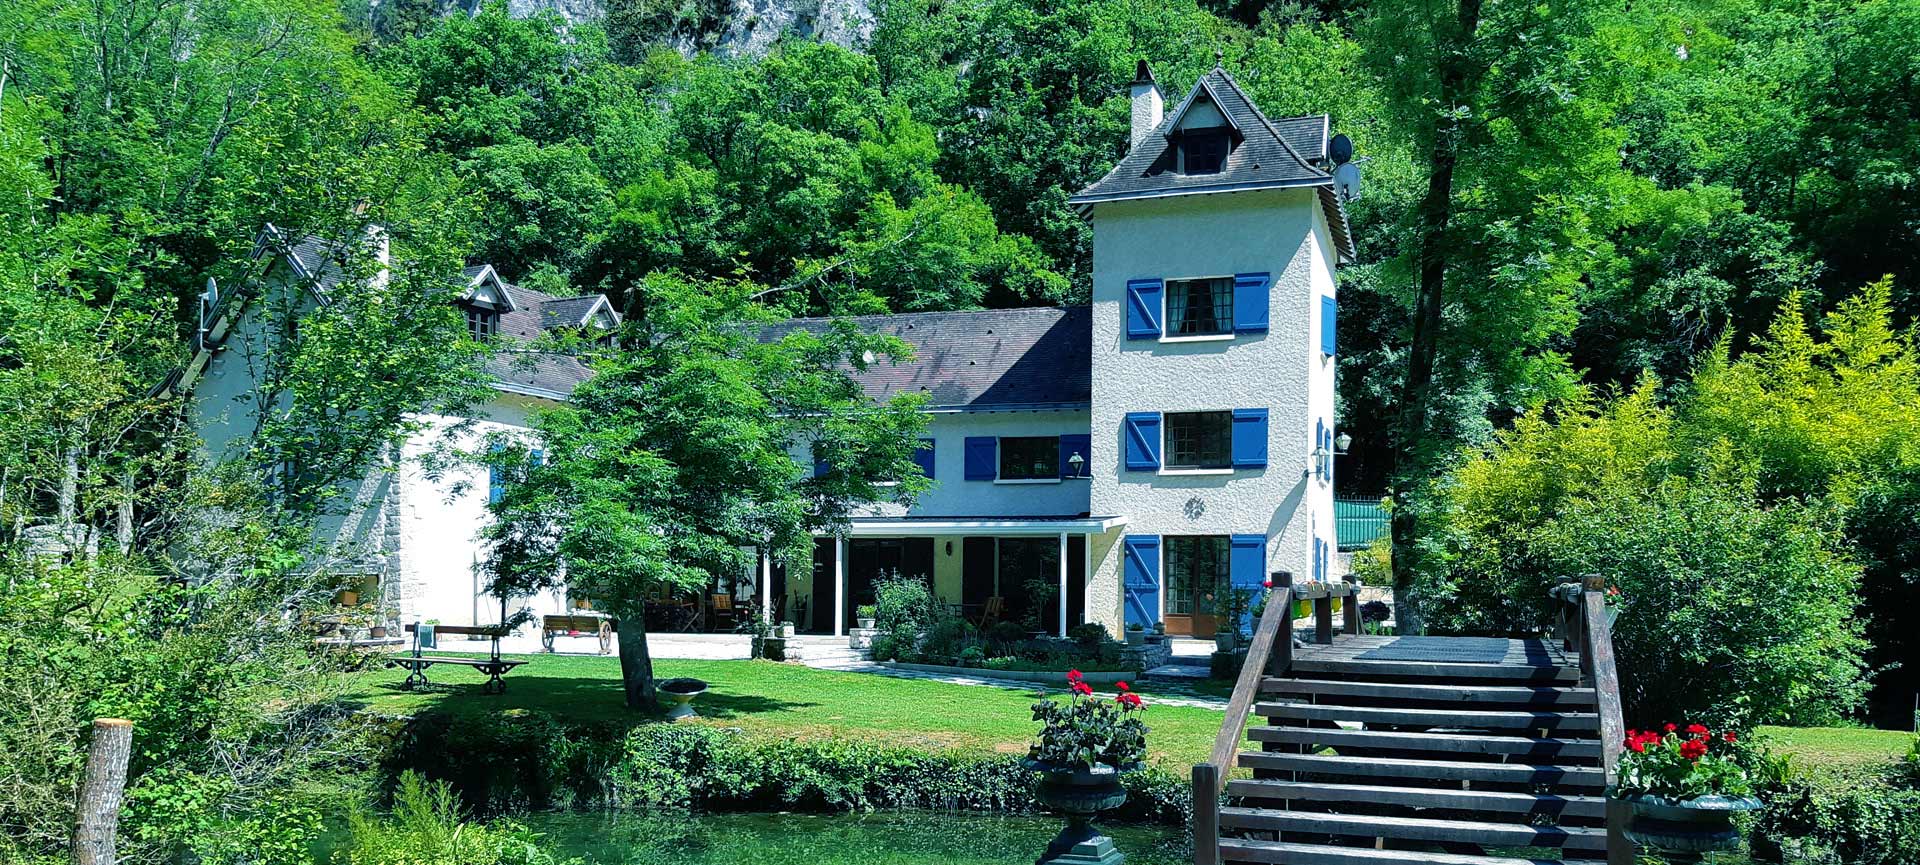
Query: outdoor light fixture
[1078, 464]
[1341, 443]
[1321, 457]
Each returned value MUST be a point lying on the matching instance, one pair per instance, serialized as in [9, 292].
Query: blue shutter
[1075, 444]
[820, 467]
[982, 458]
[1247, 567]
[1250, 302]
[1319, 559]
[1140, 584]
[1249, 438]
[1143, 440]
[923, 457]
[1143, 309]
[1320, 441]
[1329, 311]
[496, 485]
[539, 457]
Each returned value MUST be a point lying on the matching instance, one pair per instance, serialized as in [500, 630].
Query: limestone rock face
[750, 27]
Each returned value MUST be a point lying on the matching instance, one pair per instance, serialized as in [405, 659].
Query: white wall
[1276, 231]
[953, 495]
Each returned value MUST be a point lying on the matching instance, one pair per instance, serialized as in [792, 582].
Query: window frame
[1170, 330]
[1172, 553]
[1222, 135]
[1001, 456]
[1168, 463]
[488, 317]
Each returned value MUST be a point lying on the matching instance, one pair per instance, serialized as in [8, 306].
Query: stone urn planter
[1078, 794]
[1684, 829]
[865, 624]
[679, 694]
[1224, 641]
[1136, 637]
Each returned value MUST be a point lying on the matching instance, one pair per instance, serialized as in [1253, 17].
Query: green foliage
[904, 606]
[1865, 814]
[1722, 513]
[1084, 731]
[1681, 764]
[425, 828]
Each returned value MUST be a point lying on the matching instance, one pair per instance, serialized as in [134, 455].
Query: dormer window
[482, 322]
[1204, 151]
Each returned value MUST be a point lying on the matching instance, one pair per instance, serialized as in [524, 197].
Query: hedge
[528, 760]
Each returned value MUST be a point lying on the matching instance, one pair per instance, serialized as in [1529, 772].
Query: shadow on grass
[573, 698]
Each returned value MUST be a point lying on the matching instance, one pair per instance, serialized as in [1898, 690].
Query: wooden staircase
[1393, 762]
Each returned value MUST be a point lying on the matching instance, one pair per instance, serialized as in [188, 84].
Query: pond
[914, 838]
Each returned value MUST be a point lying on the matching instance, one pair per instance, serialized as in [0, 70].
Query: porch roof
[869, 527]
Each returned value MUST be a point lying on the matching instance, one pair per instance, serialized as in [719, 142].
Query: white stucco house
[1112, 463]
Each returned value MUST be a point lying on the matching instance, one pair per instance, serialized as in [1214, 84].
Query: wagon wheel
[606, 637]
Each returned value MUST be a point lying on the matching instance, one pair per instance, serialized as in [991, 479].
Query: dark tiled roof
[1270, 154]
[1264, 158]
[988, 359]
[568, 311]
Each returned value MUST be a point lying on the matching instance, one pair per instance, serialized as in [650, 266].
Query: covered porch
[1031, 571]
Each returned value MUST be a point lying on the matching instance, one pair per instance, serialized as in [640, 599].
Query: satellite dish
[1346, 181]
[1340, 149]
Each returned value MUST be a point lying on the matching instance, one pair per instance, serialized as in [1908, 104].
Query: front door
[1196, 569]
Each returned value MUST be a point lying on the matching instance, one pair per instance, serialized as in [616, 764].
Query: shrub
[425, 828]
[1088, 636]
[972, 656]
[904, 605]
[1373, 566]
[1859, 815]
[865, 611]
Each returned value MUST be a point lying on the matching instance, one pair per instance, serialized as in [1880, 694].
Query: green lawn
[787, 701]
[1816, 747]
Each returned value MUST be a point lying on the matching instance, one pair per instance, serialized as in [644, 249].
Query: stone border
[1042, 676]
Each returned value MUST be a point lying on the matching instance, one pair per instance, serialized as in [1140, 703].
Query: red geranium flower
[1672, 727]
[1693, 749]
[1729, 736]
[1697, 730]
[1074, 676]
[1121, 685]
[1079, 687]
[1127, 700]
[1636, 744]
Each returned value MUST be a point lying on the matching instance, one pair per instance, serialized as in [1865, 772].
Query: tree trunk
[97, 810]
[636, 665]
[1412, 452]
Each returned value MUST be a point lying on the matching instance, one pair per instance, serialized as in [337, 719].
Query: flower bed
[1052, 677]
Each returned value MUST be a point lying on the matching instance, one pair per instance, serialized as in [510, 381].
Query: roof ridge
[1002, 309]
[1261, 116]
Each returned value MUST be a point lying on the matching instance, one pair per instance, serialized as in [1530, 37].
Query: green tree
[683, 457]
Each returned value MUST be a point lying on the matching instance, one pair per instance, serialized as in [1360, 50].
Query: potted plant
[1683, 787]
[1136, 635]
[1085, 745]
[864, 615]
[784, 630]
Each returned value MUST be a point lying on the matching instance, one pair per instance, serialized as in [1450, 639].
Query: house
[1119, 463]
[405, 535]
[1116, 463]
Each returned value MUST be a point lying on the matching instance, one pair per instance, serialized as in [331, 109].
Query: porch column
[839, 586]
[1086, 601]
[766, 586]
[1063, 584]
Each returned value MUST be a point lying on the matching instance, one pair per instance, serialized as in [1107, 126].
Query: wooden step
[1493, 720]
[1542, 695]
[1437, 670]
[1421, 797]
[1588, 777]
[1415, 828]
[1445, 742]
[1283, 853]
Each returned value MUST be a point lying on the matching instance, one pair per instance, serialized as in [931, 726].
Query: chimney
[1147, 104]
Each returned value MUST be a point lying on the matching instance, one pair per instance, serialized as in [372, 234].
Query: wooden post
[97, 810]
[1323, 616]
[1352, 605]
[1281, 660]
[1206, 814]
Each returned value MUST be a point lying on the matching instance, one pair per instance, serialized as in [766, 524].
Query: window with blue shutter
[1140, 579]
[1076, 444]
[923, 457]
[1249, 438]
[1143, 309]
[1319, 558]
[982, 458]
[496, 483]
[1250, 302]
[1329, 311]
[1319, 442]
[1142, 432]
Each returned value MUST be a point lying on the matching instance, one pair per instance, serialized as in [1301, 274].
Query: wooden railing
[1584, 626]
[1270, 654]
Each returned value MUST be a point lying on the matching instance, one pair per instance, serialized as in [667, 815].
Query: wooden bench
[577, 625]
[416, 664]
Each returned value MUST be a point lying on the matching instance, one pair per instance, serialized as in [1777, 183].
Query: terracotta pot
[1079, 793]
[1683, 829]
[378, 632]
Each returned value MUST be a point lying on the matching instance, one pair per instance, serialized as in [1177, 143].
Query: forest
[1669, 247]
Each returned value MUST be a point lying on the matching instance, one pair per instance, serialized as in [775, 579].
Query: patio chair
[991, 613]
[722, 611]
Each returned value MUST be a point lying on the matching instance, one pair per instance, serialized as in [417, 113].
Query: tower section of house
[1215, 242]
